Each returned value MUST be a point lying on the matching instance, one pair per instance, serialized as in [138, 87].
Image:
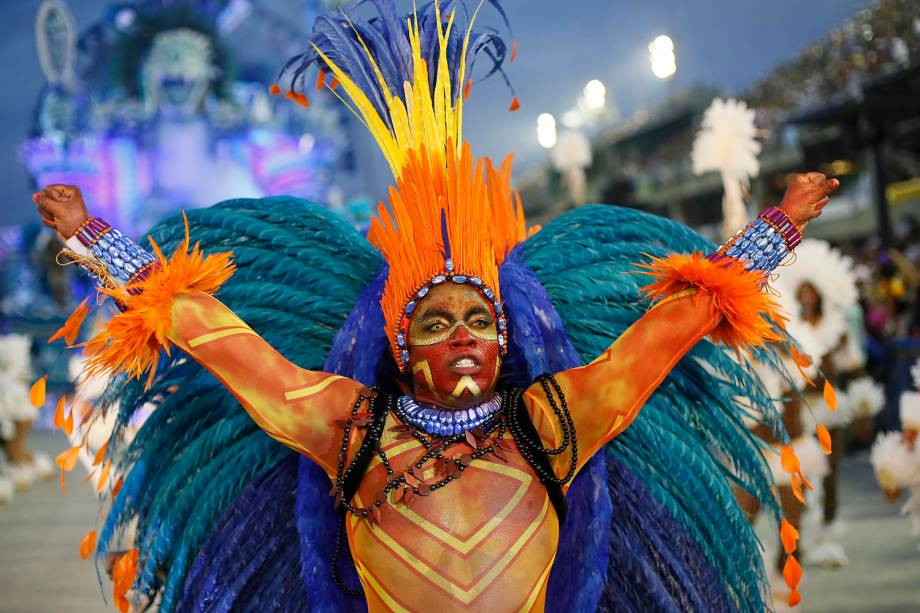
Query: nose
[461, 338]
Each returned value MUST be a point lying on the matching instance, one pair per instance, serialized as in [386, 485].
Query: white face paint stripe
[450, 332]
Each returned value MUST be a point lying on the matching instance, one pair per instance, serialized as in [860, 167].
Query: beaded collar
[444, 423]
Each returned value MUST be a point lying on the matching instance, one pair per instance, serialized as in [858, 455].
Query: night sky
[727, 44]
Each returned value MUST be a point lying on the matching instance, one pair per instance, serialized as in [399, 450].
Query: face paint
[453, 348]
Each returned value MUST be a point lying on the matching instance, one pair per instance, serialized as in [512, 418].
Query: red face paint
[453, 348]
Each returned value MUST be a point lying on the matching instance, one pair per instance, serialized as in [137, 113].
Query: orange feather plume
[482, 218]
[71, 328]
[792, 571]
[825, 437]
[788, 535]
[37, 392]
[132, 339]
[747, 310]
[124, 573]
[87, 544]
[830, 396]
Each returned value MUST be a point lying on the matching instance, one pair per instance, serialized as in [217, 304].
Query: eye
[481, 323]
[436, 326]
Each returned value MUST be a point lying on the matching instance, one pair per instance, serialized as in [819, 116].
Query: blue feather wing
[212, 496]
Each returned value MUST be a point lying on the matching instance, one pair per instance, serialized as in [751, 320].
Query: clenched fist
[62, 208]
[805, 196]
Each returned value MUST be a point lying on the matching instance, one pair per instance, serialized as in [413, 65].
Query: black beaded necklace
[451, 456]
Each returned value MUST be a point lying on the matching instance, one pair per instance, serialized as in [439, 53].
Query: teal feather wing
[299, 272]
[689, 444]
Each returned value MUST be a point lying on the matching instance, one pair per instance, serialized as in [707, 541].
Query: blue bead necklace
[443, 422]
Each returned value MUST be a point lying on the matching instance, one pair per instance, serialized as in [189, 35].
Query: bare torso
[484, 542]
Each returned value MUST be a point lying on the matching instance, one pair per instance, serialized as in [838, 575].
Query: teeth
[465, 363]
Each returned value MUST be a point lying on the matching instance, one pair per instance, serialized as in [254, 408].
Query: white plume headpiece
[726, 141]
[865, 397]
[15, 356]
[832, 275]
[910, 411]
[896, 466]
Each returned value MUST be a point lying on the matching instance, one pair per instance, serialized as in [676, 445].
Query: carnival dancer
[819, 290]
[895, 456]
[458, 378]
[16, 417]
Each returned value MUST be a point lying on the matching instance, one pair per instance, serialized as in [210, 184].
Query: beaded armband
[124, 259]
[764, 243]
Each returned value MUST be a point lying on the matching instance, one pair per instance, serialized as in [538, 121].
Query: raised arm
[694, 296]
[297, 407]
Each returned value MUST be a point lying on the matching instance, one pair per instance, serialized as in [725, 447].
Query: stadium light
[662, 56]
[546, 130]
[595, 95]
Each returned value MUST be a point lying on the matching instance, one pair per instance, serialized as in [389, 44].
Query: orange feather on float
[103, 476]
[797, 491]
[124, 572]
[59, 412]
[792, 572]
[802, 361]
[788, 536]
[117, 487]
[100, 454]
[830, 396]
[790, 460]
[67, 422]
[67, 459]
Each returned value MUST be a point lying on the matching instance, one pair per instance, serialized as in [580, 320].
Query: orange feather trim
[37, 392]
[738, 294]
[788, 536]
[87, 544]
[124, 574]
[132, 339]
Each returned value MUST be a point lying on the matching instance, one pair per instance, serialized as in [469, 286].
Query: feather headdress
[451, 217]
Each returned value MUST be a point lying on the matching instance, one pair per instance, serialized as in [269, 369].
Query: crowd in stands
[880, 40]
[889, 287]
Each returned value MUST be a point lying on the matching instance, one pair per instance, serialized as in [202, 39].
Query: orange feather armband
[750, 315]
[132, 339]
